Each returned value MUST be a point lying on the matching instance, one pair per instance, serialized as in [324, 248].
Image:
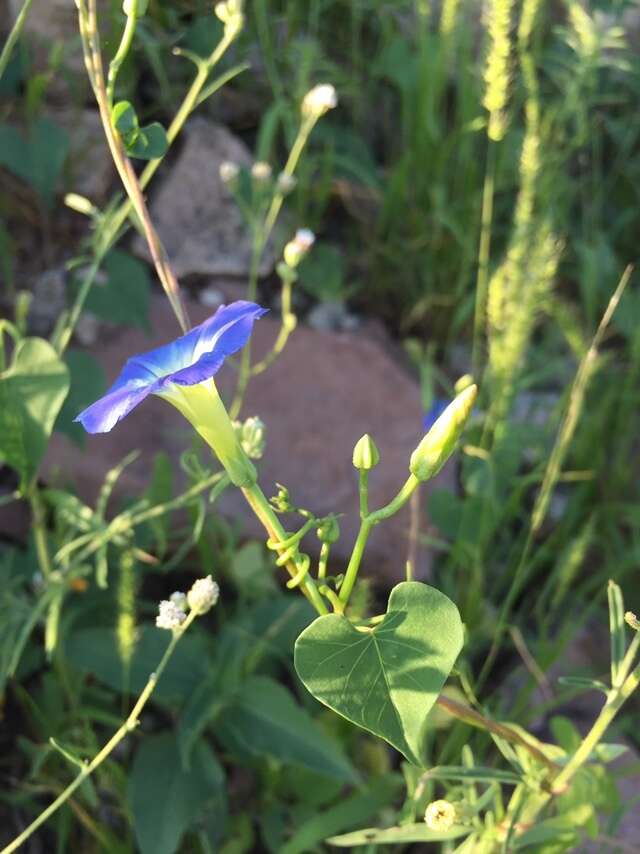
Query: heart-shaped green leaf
[385, 679]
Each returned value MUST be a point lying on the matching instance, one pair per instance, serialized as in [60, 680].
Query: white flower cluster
[228, 172]
[172, 612]
[170, 615]
[203, 595]
[319, 100]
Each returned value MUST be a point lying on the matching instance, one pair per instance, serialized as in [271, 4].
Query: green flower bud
[141, 7]
[251, 435]
[439, 443]
[282, 501]
[365, 454]
[464, 382]
[329, 530]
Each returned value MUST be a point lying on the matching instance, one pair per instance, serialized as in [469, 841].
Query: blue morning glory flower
[182, 372]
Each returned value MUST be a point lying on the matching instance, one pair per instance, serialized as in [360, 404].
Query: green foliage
[122, 299]
[385, 678]
[166, 799]
[37, 156]
[32, 391]
[144, 143]
[276, 727]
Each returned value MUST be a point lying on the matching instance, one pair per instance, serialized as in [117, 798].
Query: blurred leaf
[124, 298]
[32, 391]
[617, 631]
[166, 799]
[477, 774]
[322, 273]
[37, 158]
[95, 651]
[354, 809]
[263, 720]
[397, 835]
[87, 383]
[385, 679]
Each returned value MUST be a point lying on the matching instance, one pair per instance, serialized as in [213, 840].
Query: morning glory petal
[105, 413]
[188, 360]
[232, 332]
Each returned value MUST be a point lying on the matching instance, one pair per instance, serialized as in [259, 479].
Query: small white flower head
[319, 100]
[261, 172]
[180, 599]
[440, 815]
[170, 616]
[203, 595]
[228, 172]
[286, 183]
[296, 249]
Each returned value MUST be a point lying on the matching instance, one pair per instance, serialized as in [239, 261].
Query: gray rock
[196, 216]
[89, 169]
[48, 301]
[332, 317]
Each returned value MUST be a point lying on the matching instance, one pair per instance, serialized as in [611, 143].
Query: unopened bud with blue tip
[440, 442]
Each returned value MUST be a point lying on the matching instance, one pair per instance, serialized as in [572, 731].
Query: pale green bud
[141, 7]
[319, 100]
[365, 454]
[296, 249]
[439, 443]
[464, 382]
[261, 172]
[251, 435]
[329, 530]
[203, 595]
[79, 204]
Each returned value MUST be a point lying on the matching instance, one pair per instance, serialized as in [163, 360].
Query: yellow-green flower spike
[439, 443]
[365, 454]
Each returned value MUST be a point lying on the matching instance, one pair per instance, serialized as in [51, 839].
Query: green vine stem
[367, 524]
[277, 535]
[128, 726]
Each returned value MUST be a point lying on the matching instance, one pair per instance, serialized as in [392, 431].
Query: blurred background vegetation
[395, 183]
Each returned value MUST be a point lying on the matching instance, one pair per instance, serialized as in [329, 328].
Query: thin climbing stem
[128, 726]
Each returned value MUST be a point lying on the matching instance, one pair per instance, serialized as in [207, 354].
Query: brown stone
[318, 398]
[196, 216]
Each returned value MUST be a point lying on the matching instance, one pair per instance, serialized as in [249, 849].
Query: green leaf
[37, 158]
[385, 679]
[477, 774]
[263, 719]
[32, 391]
[352, 810]
[617, 631]
[584, 683]
[87, 383]
[150, 143]
[124, 119]
[397, 835]
[165, 799]
[124, 298]
[95, 651]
